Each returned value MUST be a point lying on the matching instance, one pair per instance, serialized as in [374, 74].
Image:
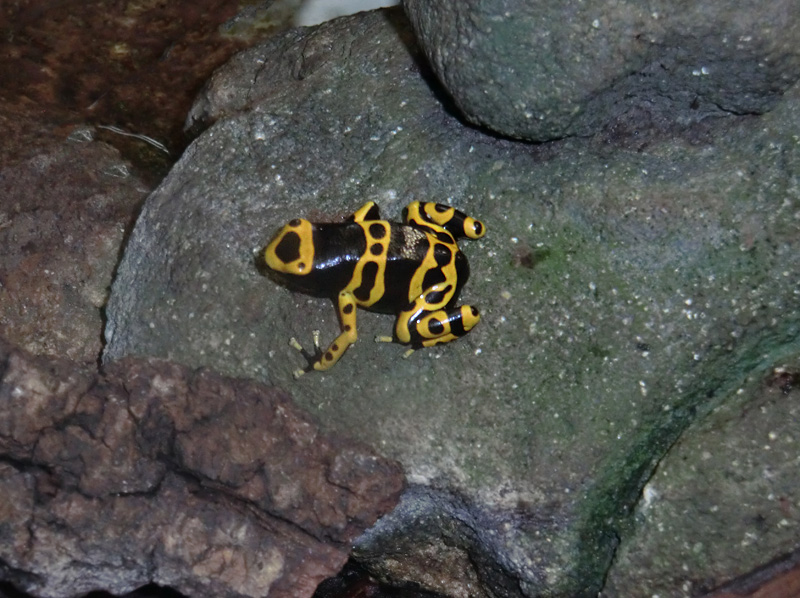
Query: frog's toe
[311, 358]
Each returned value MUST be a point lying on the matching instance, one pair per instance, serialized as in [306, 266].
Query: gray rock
[546, 70]
[723, 498]
[627, 282]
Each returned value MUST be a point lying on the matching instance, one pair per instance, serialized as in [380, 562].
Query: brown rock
[67, 197]
[64, 209]
[133, 65]
[149, 472]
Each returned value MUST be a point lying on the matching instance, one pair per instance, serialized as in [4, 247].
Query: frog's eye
[291, 251]
[288, 248]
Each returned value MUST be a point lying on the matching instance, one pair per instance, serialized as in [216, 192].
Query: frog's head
[291, 250]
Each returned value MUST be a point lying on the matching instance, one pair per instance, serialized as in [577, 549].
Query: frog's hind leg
[324, 360]
[427, 329]
[422, 327]
[391, 339]
[456, 222]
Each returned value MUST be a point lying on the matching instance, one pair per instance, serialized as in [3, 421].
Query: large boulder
[152, 473]
[546, 70]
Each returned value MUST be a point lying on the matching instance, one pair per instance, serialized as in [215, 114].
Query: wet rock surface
[539, 71]
[152, 473]
[628, 283]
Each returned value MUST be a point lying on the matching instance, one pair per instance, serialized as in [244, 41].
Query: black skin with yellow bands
[414, 270]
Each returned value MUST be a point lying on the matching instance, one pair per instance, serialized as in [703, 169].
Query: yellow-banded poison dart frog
[414, 270]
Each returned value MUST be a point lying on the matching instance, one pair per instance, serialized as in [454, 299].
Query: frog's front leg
[369, 211]
[421, 327]
[323, 360]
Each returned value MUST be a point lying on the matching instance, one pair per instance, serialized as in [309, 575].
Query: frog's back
[417, 259]
[385, 265]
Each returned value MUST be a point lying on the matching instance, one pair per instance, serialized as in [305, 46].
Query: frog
[412, 269]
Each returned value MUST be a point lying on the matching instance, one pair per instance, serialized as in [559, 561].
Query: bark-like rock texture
[150, 472]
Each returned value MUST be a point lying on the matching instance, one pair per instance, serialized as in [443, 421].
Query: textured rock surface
[544, 70]
[780, 579]
[737, 469]
[64, 210]
[67, 196]
[152, 473]
[628, 284]
[131, 65]
[354, 582]
[67, 199]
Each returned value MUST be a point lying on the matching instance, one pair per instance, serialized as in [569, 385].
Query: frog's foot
[312, 358]
[322, 360]
[422, 328]
[389, 339]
